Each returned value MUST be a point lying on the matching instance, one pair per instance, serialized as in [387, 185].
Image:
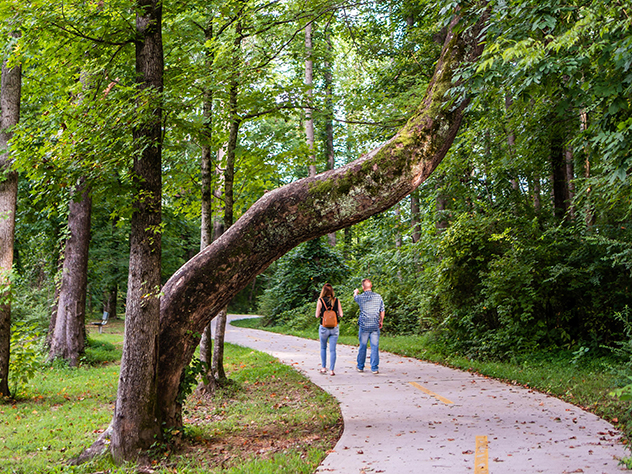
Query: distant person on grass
[370, 322]
[326, 331]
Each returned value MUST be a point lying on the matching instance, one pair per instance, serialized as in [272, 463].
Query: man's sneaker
[375, 371]
[359, 369]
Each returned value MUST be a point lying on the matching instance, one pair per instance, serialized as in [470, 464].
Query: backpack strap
[325, 304]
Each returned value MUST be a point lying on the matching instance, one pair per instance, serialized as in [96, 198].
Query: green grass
[584, 382]
[269, 418]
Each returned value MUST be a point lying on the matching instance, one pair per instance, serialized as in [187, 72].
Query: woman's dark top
[327, 305]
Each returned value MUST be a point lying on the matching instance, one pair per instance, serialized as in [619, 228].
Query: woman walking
[328, 329]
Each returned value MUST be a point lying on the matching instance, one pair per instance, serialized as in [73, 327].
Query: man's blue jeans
[364, 337]
[330, 335]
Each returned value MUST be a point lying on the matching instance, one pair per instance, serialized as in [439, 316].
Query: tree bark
[68, 341]
[217, 367]
[309, 119]
[398, 218]
[511, 144]
[10, 95]
[441, 204]
[348, 238]
[303, 210]
[135, 425]
[211, 230]
[217, 364]
[231, 149]
[537, 205]
[329, 122]
[110, 300]
[55, 305]
[559, 185]
[206, 235]
[414, 217]
[206, 227]
[569, 177]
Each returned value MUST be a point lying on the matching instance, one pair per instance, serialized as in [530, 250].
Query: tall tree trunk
[415, 220]
[441, 204]
[110, 296]
[135, 424]
[206, 235]
[329, 122]
[348, 240]
[229, 172]
[398, 234]
[511, 144]
[309, 79]
[206, 343]
[10, 95]
[303, 210]
[55, 305]
[569, 178]
[217, 365]
[68, 341]
[590, 216]
[218, 194]
[67, 332]
[218, 346]
[206, 230]
[397, 208]
[537, 204]
[559, 186]
[110, 300]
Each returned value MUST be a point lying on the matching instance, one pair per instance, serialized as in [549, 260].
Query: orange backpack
[330, 319]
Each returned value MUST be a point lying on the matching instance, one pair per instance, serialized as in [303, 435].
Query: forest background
[519, 243]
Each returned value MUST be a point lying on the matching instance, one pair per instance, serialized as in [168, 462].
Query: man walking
[370, 322]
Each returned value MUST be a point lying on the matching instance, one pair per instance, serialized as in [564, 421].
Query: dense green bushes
[497, 285]
[297, 280]
[503, 286]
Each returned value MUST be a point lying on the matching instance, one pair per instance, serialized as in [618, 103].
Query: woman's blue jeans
[364, 337]
[330, 335]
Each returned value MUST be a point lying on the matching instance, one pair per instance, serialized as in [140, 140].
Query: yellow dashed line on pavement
[481, 457]
[432, 394]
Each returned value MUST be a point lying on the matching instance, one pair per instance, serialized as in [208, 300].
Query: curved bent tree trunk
[300, 211]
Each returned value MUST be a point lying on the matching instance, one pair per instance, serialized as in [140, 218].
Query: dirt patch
[253, 419]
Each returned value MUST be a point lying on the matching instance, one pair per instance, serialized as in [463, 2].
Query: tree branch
[79, 34]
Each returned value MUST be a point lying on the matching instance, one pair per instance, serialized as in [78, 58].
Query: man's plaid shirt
[371, 305]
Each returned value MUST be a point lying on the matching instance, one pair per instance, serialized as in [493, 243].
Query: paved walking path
[418, 417]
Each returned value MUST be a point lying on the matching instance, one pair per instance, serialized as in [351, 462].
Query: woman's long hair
[327, 290]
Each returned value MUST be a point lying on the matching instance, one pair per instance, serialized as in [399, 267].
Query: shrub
[25, 358]
[299, 277]
[505, 286]
[100, 352]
